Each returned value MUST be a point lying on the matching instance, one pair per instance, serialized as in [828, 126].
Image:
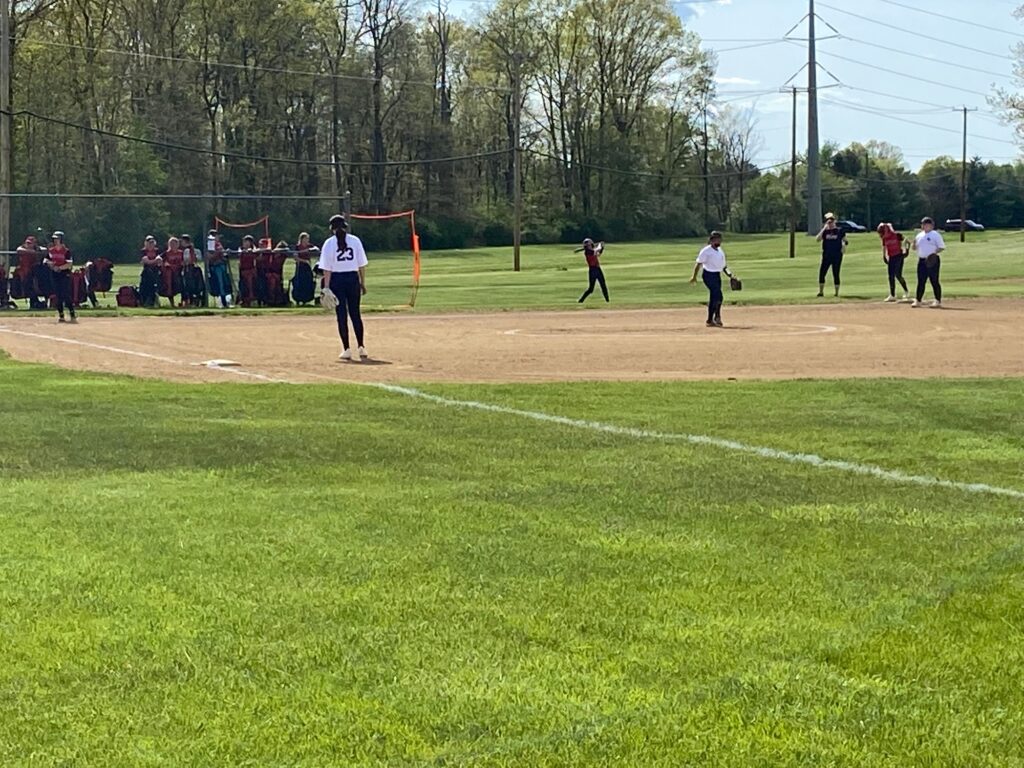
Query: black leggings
[896, 273]
[835, 263]
[926, 274]
[62, 291]
[596, 276]
[346, 286]
[713, 280]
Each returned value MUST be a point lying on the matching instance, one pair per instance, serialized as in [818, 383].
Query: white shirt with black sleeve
[350, 259]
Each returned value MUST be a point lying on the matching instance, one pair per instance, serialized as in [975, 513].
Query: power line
[937, 83]
[898, 97]
[928, 37]
[883, 113]
[254, 158]
[752, 45]
[250, 67]
[651, 174]
[957, 19]
[920, 57]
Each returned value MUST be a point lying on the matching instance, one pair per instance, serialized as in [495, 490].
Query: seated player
[171, 269]
[24, 282]
[149, 280]
[303, 283]
[99, 277]
[193, 287]
[276, 295]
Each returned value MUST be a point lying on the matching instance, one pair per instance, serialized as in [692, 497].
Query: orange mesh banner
[218, 222]
[416, 262]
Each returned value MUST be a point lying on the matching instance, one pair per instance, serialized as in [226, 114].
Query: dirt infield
[976, 338]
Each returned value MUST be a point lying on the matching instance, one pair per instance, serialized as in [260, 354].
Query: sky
[869, 103]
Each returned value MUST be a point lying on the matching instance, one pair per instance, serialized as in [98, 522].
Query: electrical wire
[921, 57]
[650, 174]
[254, 158]
[882, 113]
[936, 83]
[929, 37]
[250, 67]
[957, 19]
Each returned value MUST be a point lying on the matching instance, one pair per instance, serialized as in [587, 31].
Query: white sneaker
[346, 355]
[890, 299]
[915, 303]
[906, 298]
[936, 304]
[363, 354]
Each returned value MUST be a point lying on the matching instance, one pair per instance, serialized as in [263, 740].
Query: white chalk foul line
[145, 355]
[91, 345]
[809, 459]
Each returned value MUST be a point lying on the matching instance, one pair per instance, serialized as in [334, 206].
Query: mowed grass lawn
[339, 576]
[657, 274]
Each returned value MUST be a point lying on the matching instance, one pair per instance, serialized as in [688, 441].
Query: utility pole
[707, 188]
[813, 168]
[867, 184]
[963, 182]
[6, 155]
[792, 187]
[517, 156]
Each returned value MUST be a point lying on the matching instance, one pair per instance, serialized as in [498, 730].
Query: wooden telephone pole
[6, 155]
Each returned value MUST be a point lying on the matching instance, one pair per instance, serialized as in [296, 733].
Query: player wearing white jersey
[343, 262]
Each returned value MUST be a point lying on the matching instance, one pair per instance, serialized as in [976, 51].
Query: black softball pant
[713, 281]
[896, 273]
[346, 286]
[929, 274]
[596, 276]
[835, 263]
[62, 292]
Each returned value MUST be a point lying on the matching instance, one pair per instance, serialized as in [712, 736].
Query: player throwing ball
[712, 260]
[343, 262]
[592, 253]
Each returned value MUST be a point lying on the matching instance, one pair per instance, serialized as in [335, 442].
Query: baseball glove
[328, 300]
[735, 283]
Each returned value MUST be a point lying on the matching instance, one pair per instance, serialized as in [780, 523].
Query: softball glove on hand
[735, 283]
[328, 300]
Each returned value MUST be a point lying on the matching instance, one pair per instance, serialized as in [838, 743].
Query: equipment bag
[127, 296]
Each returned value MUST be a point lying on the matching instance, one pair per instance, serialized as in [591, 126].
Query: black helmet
[337, 222]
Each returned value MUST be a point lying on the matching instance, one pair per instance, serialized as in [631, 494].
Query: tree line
[870, 183]
[295, 103]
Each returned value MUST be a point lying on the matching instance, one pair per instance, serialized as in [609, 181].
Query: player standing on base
[833, 246]
[592, 253]
[343, 262]
[58, 259]
[928, 244]
[712, 260]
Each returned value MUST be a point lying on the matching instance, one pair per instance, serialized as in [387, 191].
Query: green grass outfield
[656, 274]
[340, 576]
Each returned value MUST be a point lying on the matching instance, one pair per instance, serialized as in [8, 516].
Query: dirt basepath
[976, 338]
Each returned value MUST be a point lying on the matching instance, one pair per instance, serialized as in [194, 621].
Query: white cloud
[736, 81]
[697, 8]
